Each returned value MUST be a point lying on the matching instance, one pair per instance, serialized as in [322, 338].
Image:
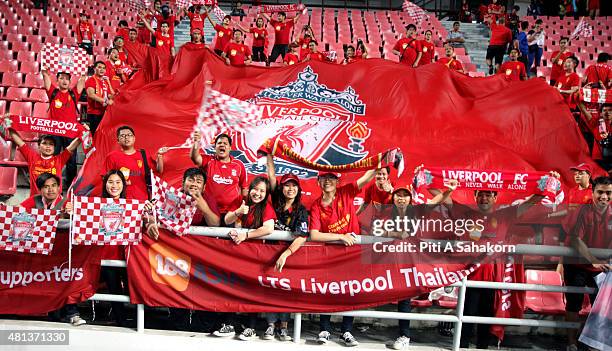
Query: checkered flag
[582, 29]
[331, 55]
[61, 58]
[223, 112]
[101, 221]
[174, 209]
[139, 5]
[416, 13]
[30, 231]
[599, 96]
[220, 14]
[183, 3]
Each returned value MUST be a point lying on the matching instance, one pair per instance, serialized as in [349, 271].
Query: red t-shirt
[316, 56]
[132, 167]
[594, 228]
[557, 66]
[111, 73]
[268, 214]
[408, 49]
[282, 31]
[30, 203]
[198, 217]
[340, 216]
[513, 70]
[375, 196]
[196, 20]
[567, 82]
[577, 196]
[171, 20]
[224, 35]
[428, 51]
[144, 36]
[38, 165]
[451, 63]
[164, 43]
[124, 33]
[84, 32]
[303, 43]
[500, 35]
[259, 36]
[102, 90]
[237, 53]
[63, 107]
[224, 181]
[599, 72]
[291, 59]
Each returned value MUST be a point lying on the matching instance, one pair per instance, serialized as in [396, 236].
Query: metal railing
[458, 318]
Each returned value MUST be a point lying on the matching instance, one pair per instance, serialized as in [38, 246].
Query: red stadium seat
[26, 56]
[33, 80]
[41, 110]
[52, 40]
[418, 303]
[29, 67]
[544, 302]
[69, 41]
[36, 47]
[20, 46]
[16, 94]
[38, 95]
[12, 37]
[20, 108]
[8, 180]
[2, 107]
[447, 302]
[12, 79]
[9, 66]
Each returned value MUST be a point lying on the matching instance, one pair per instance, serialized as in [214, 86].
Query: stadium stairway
[476, 42]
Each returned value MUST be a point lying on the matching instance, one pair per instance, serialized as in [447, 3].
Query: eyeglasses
[125, 136]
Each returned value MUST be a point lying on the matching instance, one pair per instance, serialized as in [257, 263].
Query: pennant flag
[174, 209]
[100, 221]
[61, 58]
[599, 96]
[582, 29]
[416, 13]
[30, 231]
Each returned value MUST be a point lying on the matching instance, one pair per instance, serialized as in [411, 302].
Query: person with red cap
[333, 217]
[196, 39]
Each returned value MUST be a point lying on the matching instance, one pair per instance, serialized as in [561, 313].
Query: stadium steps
[476, 42]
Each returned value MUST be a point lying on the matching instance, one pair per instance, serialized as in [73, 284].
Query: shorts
[576, 276]
[497, 52]
[87, 47]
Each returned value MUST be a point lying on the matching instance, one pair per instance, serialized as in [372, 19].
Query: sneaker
[77, 321]
[247, 334]
[490, 70]
[349, 339]
[225, 331]
[400, 343]
[269, 333]
[571, 348]
[283, 335]
[323, 337]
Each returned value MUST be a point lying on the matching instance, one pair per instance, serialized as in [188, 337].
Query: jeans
[478, 302]
[271, 318]
[535, 56]
[94, 122]
[404, 324]
[113, 277]
[278, 49]
[62, 143]
[325, 323]
[258, 54]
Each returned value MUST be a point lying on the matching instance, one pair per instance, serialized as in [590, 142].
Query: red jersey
[132, 167]
[282, 31]
[224, 181]
[171, 20]
[303, 43]
[63, 107]
[123, 56]
[408, 49]
[500, 35]
[198, 217]
[124, 33]
[196, 20]
[375, 196]
[567, 82]
[451, 63]
[577, 196]
[38, 165]
[259, 36]
[237, 53]
[599, 72]
[428, 50]
[30, 203]
[340, 216]
[316, 56]
[594, 228]
[557, 66]
[84, 32]
[291, 59]
[267, 215]
[224, 35]
[144, 36]
[513, 70]
[164, 43]
[111, 72]
[102, 90]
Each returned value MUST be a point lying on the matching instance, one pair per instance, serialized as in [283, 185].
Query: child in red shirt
[292, 56]
[427, 49]
[513, 70]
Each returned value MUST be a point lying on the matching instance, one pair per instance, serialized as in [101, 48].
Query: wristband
[290, 250]
[247, 235]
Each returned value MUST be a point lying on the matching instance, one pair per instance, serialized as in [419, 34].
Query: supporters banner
[46, 126]
[104, 221]
[212, 274]
[61, 58]
[281, 8]
[599, 96]
[540, 183]
[463, 122]
[35, 284]
[31, 231]
[174, 209]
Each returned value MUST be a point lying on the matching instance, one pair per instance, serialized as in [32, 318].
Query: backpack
[70, 92]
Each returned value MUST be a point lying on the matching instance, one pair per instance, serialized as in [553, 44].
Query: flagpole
[70, 231]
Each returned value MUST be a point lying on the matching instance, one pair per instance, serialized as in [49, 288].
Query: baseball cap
[288, 177]
[407, 187]
[583, 167]
[196, 29]
[323, 174]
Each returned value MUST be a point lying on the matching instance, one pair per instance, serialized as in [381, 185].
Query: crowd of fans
[265, 204]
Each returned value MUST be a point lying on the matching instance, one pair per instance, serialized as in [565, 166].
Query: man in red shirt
[292, 56]
[305, 38]
[314, 54]
[85, 33]
[99, 95]
[260, 38]
[427, 49]
[227, 177]
[333, 217]
[501, 36]
[224, 33]
[351, 55]
[409, 48]
[378, 193]
[449, 60]
[116, 69]
[196, 40]
[558, 58]
[133, 164]
[591, 230]
[599, 75]
[282, 34]
[569, 83]
[513, 70]
[133, 36]
[236, 53]
[495, 10]
[165, 16]
[164, 40]
[196, 19]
